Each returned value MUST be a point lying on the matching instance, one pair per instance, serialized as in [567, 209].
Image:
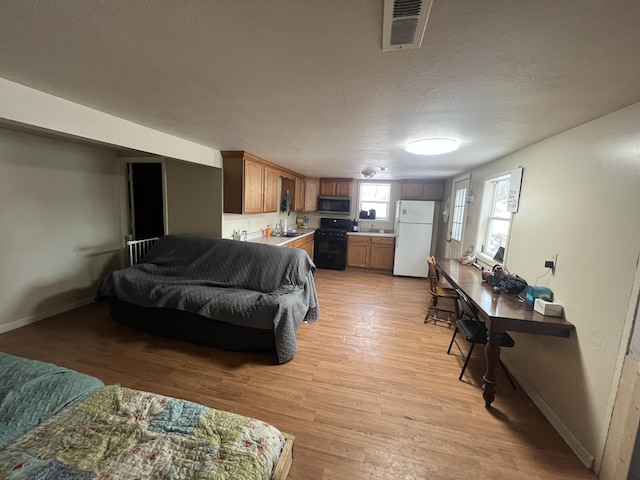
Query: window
[495, 219]
[376, 196]
[458, 213]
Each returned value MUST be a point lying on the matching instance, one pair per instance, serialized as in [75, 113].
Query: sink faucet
[371, 229]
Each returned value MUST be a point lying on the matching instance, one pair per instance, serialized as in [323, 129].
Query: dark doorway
[145, 200]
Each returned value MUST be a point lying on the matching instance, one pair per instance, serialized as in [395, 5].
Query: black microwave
[339, 205]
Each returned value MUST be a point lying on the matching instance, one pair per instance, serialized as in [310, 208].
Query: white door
[413, 246]
[457, 217]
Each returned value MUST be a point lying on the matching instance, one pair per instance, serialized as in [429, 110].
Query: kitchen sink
[288, 234]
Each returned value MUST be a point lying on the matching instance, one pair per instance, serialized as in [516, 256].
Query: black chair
[475, 331]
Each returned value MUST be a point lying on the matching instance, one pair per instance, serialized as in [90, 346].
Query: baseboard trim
[581, 452]
[23, 322]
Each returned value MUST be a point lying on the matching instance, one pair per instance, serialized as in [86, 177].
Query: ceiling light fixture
[368, 172]
[432, 146]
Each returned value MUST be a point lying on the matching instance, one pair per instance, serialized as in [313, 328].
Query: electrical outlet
[551, 263]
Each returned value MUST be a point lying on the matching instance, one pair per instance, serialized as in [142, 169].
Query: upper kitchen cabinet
[422, 190]
[271, 178]
[294, 183]
[311, 188]
[288, 186]
[336, 187]
[298, 200]
[303, 192]
[250, 183]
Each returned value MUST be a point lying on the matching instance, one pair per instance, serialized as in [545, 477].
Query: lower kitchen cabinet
[358, 251]
[370, 252]
[382, 252]
[305, 243]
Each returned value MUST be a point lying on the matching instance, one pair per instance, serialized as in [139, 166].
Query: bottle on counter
[355, 225]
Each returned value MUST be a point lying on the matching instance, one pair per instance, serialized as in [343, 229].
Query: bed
[112, 432]
[218, 292]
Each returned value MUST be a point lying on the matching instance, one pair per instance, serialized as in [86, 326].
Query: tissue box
[550, 309]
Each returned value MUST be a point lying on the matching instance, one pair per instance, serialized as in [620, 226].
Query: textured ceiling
[305, 84]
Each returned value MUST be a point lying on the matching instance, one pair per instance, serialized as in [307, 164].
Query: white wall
[60, 225]
[25, 106]
[579, 199]
[193, 199]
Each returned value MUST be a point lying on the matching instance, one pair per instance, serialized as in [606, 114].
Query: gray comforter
[247, 284]
[32, 391]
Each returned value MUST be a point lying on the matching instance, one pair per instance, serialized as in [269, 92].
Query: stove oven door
[330, 250]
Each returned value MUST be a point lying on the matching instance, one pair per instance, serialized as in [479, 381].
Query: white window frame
[389, 203]
[458, 212]
[486, 216]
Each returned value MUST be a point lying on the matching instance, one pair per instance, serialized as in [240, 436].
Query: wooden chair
[439, 292]
[475, 331]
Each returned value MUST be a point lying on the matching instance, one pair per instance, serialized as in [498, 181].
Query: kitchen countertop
[373, 234]
[282, 240]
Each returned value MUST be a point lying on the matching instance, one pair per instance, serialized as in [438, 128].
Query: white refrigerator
[414, 228]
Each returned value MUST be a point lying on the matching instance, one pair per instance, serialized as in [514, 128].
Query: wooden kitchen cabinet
[358, 251]
[370, 252]
[311, 188]
[327, 187]
[250, 183]
[253, 187]
[336, 187]
[271, 177]
[305, 243]
[411, 190]
[298, 200]
[288, 185]
[382, 253]
[433, 191]
[421, 190]
[295, 185]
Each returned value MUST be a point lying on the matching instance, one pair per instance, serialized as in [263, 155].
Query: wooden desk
[501, 312]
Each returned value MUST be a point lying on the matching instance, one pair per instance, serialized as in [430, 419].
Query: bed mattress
[32, 391]
[119, 433]
[59, 424]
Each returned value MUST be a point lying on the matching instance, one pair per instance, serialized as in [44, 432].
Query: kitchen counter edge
[372, 234]
[281, 241]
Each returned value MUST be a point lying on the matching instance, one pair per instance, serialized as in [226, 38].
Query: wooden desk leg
[492, 353]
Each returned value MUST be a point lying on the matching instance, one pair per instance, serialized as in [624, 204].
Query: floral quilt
[119, 433]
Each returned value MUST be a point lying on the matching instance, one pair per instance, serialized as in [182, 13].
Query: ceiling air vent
[404, 23]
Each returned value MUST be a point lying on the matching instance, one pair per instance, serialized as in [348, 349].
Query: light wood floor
[371, 394]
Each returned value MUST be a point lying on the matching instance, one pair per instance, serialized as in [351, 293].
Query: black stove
[336, 224]
[330, 247]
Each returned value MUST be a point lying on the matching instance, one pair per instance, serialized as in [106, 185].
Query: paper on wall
[514, 190]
